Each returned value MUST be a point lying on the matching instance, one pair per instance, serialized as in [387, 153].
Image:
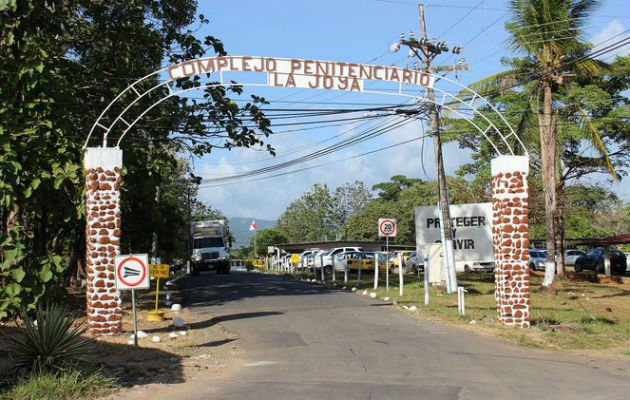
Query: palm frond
[489, 86]
[597, 142]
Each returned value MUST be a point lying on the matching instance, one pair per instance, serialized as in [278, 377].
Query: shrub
[69, 385]
[49, 344]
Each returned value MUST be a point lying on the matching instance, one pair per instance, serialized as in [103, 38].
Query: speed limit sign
[387, 227]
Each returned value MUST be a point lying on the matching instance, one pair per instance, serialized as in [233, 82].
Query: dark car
[594, 260]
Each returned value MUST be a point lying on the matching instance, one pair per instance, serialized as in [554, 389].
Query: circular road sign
[387, 227]
[132, 272]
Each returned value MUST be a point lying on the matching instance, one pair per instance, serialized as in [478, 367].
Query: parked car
[327, 256]
[304, 257]
[537, 259]
[340, 260]
[414, 262]
[571, 255]
[594, 260]
[393, 258]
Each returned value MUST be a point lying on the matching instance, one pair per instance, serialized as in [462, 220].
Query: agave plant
[50, 342]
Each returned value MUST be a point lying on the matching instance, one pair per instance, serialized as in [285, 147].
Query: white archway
[103, 164]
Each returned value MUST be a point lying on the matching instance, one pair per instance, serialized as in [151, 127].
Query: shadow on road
[216, 343]
[210, 289]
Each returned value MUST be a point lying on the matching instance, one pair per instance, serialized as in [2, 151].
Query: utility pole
[429, 50]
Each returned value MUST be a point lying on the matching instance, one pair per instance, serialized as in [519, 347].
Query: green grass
[591, 316]
[69, 385]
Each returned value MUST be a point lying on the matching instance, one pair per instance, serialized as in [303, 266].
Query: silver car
[537, 259]
[571, 255]
[414, 263]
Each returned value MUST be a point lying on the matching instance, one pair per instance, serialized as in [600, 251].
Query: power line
[319, 165]
[460, 19]
[359, 138]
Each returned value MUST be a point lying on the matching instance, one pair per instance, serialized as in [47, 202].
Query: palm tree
[548, 35]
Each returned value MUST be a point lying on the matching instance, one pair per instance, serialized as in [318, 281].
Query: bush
[51, 343]
[69, 385]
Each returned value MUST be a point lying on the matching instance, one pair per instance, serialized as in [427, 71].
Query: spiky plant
[51, 343]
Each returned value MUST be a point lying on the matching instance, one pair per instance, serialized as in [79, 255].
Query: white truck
[209, 248]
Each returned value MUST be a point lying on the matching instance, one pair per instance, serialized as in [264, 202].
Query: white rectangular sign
[471, 226]
[132, 271]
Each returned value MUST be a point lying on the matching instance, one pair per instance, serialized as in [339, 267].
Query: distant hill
[239, 226]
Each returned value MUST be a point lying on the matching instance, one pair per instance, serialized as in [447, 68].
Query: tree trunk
[548, 165]
[559, 227]
[77, 257]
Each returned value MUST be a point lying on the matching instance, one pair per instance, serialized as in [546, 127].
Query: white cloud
[267, 198]
[608, 36]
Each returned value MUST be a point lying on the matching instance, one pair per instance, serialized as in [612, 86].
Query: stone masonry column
[510, 236]
[102, 206]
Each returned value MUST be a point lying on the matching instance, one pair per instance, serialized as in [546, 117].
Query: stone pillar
[102, 206]
[510, 237]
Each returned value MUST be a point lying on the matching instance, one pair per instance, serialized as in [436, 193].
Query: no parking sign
[132, 271]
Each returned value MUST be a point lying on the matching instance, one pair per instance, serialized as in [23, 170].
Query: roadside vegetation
[47, 353]
[67, 385]
[581, 316]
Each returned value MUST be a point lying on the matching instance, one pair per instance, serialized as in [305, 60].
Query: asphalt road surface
[303, 341]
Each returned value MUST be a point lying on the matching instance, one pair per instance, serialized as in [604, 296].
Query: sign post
[157, 271]
[387, 228]
[400, 274]
[426, 280]
[131, 274]
[376, 267]
[387, 263]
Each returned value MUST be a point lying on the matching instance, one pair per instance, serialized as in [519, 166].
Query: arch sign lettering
[310, 74]
[103, 164]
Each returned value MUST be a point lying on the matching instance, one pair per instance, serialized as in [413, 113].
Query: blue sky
[353, 31]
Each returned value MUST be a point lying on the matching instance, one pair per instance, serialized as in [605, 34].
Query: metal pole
[135, 326]
[426, 281]
[157, 293]
[255, 246]
[323, 277]
[359, 273]
[376, 267]
[400, 275]
[387, 263]
[345, 274]
[333, 271]
[606, 261]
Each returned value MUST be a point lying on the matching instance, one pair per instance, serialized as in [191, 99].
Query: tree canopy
[61, 63]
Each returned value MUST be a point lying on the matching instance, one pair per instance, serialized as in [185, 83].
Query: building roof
[324, 245]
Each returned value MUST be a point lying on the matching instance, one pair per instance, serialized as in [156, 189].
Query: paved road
[302, 341]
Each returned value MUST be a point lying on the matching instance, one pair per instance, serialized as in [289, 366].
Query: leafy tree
[390, 190]
[599, 96]
[266, 237]
[61, 63]
[362, 225]
[550, 59]
[347, 200]
[309, 218]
